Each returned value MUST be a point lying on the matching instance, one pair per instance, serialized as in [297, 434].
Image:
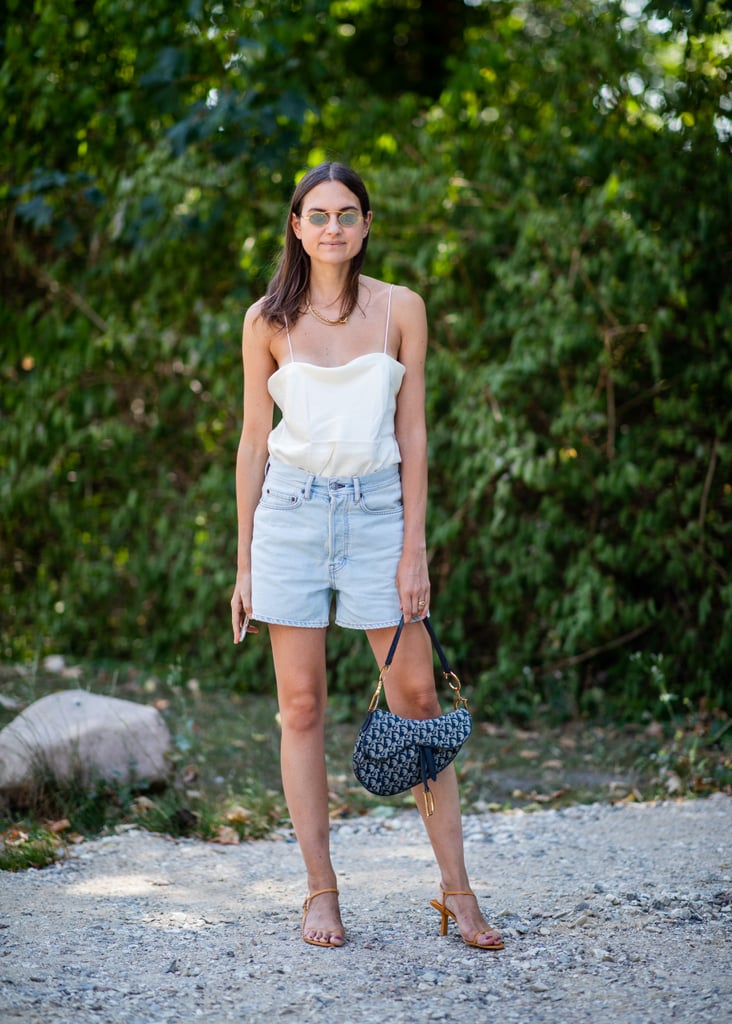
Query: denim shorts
[319, 537]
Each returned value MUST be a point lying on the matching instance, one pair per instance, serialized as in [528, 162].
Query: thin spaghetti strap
[289, 340]
[388, 314]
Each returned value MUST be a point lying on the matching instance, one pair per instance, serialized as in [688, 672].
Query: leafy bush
[563, 205]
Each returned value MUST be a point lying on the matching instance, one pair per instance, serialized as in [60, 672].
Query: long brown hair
[288, 287]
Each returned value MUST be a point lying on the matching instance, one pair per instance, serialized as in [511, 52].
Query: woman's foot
[462, 908]
[321, 919]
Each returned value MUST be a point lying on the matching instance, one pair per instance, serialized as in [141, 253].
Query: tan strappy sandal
[446, 913]
[318, 942]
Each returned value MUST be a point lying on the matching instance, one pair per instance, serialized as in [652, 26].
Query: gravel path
[617, 914]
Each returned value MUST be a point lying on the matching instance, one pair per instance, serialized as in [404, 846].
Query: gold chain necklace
[324, 319]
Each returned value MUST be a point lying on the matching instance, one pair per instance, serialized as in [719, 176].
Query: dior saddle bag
[392, 754]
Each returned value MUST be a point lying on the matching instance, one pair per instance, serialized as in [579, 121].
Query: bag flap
[384, 734]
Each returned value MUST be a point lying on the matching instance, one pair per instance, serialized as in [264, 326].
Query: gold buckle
[374, 702]
[454, 683]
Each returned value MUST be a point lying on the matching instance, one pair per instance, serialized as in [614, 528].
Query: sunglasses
[319, 218]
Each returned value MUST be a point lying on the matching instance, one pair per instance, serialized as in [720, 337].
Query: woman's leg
[410, 691]
[299, 662]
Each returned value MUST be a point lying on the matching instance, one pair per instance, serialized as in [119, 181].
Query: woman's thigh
[298, 654]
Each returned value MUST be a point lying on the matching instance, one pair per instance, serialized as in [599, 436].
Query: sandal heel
[445, 913]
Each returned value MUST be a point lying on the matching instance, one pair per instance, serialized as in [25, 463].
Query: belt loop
[356, 489]
[308, 486]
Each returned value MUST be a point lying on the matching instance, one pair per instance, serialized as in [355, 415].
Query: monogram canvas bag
[392, 754]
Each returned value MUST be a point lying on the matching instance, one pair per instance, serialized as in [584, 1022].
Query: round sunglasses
[319, 218]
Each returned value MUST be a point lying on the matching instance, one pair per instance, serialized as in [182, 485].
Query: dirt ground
[611, 913]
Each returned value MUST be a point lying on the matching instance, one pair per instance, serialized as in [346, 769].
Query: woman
[332, 502]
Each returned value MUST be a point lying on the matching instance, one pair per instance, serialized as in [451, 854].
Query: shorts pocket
[280, 496]
[383, 501]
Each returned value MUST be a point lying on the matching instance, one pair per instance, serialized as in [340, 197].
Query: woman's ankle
[318, 883]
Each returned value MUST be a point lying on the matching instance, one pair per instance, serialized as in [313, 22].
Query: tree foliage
[555, 180]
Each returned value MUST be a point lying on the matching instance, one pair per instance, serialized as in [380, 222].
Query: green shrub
[565, 207]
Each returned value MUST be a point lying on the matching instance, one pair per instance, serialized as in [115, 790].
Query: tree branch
[577, 659]
[708, 484]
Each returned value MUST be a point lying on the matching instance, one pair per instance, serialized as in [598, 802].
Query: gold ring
[421, 604]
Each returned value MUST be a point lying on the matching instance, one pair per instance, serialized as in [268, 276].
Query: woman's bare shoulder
[408, 305]
[402, 296]
[257, 326]
[261, 339]
[253, 315]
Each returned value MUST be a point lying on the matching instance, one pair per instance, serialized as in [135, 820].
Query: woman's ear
[295, 224]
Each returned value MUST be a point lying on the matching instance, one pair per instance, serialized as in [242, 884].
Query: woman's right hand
[241, 603]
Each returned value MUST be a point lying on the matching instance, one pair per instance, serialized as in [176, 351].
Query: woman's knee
[299, 658]
[301, 709]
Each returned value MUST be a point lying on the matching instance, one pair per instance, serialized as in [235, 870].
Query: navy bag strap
[435, 643]
[452, 679]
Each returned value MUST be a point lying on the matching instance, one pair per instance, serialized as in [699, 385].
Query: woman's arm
[251, 456]
[413, 582]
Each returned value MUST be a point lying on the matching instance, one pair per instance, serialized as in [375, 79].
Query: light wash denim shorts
[319, 537]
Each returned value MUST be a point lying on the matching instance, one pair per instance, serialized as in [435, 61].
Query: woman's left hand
[413, 587]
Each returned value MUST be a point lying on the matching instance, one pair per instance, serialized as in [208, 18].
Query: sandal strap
[311, 896]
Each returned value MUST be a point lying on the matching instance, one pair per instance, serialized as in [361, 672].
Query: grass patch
[35, 848]
[224, 783]
[225, 765]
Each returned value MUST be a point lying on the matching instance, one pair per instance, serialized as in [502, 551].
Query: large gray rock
[74, 734]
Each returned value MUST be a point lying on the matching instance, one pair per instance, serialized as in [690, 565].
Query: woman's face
[332, 242]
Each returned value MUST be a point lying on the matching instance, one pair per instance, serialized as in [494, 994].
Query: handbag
[392, 754]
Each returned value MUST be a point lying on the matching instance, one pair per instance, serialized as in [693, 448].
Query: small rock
[54, 663]
[579, 921]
